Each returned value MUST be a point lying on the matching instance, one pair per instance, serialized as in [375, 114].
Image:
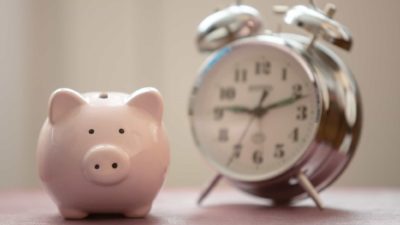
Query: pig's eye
[91, 131]
[121, 131]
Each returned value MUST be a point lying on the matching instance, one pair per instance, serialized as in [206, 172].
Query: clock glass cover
[255, 109]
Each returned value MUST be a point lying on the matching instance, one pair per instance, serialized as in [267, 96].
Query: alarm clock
[276, 114]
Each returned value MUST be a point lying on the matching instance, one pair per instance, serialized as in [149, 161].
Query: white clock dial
[255, 110]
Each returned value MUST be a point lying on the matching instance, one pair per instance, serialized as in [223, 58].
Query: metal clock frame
[339, 126]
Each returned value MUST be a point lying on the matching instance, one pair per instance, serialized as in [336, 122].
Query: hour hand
[236, 109]
[243, 109]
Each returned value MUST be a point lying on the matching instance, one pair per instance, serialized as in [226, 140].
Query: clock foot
[310, 189]
[209, 188]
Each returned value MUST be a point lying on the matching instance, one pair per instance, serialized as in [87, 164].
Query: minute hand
[281, 103]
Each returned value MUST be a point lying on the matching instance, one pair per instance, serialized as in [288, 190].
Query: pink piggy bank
[103, 152]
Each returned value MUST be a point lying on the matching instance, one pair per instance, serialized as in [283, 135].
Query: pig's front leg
[138, 212]
[69, 213]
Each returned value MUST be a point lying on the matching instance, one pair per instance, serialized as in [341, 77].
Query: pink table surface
[224, 206]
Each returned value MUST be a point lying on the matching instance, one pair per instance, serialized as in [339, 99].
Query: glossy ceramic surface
[103, 152]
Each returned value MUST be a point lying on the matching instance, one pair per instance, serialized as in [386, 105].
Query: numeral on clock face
[262, 68]
[227, 93]
[279, 151]
[294, 135]
[297, 90]
[284, 74]
[240, 75]
[301, 112]
[257, 157]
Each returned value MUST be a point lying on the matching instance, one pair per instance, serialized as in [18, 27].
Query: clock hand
[237, 109]
[243, 109]
[263, 96]
[238, 146]
[261, 111]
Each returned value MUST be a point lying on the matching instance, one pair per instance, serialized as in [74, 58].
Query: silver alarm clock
[276, 114]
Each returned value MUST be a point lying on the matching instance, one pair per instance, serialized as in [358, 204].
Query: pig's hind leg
[138, 212]
[69, 213]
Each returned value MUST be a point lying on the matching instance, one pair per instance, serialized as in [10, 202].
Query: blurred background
[124, 45]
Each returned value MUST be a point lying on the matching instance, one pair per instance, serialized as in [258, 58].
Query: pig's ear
[62, 103]
[149, 100]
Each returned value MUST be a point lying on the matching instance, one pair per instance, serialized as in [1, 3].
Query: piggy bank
[103, 152]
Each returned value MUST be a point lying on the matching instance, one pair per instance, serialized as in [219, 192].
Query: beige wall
[123, 45]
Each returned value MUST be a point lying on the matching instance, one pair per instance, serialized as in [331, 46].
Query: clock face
[254, 110]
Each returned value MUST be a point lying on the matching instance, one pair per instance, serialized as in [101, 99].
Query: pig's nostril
[97, 166]
[114, 165]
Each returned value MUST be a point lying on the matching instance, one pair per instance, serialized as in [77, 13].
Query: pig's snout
[106, 165]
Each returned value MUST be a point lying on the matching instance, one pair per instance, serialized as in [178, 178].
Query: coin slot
[103, 95]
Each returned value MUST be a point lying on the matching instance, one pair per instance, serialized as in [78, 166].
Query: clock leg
[310, 189]
[209, 188]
